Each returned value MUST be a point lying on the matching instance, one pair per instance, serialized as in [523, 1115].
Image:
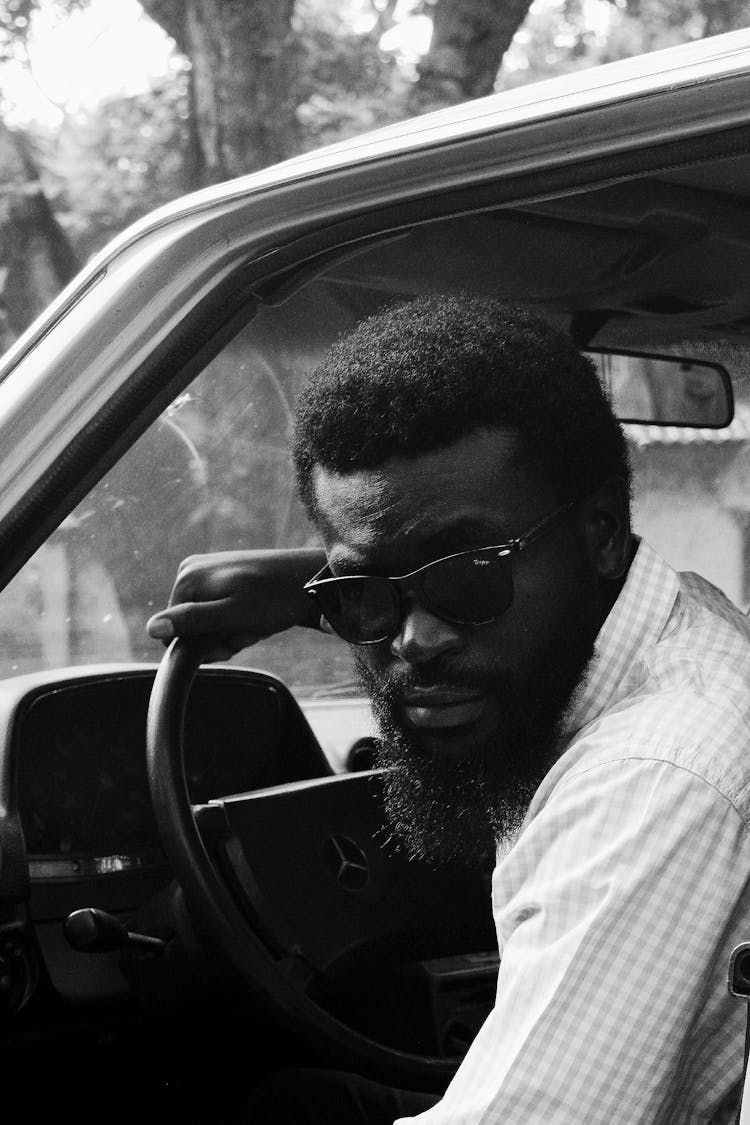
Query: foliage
[345, 83]
[15, 23]
[107, 166]
[557, 38]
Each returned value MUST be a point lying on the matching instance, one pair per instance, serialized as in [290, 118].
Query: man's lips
[441, 707]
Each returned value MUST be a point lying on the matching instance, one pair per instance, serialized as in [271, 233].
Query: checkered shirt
[619, 903]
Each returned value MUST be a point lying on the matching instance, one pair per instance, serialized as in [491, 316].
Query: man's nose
[423, 636]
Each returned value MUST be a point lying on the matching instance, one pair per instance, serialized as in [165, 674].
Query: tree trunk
[724, 15]
[36, 259]
[242, 61]
[469, 39]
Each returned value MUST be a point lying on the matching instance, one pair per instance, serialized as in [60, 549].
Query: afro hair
[422, 374]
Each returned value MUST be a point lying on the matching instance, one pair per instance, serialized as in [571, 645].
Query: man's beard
[445, 809]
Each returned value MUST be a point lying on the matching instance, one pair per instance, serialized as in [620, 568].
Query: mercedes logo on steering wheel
[347, 862]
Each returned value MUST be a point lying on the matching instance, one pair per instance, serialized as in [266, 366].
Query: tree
[469, 39]
[36, 259]
[242, 63]
[107, 165]
[561, 38]
[703, 17]
[263, 80]
[267, 78]
[345, 83]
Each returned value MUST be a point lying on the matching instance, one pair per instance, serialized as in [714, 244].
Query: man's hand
[239, 597]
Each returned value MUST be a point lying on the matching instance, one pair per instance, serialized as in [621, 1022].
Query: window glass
[691, 486]
[213, 473]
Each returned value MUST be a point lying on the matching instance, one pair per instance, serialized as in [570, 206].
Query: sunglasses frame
[404, 584]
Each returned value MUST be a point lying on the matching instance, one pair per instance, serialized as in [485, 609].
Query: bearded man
[545, 685]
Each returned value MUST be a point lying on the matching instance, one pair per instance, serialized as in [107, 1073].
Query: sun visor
[516, 257]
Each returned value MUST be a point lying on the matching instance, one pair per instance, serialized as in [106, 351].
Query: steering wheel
[293, 887]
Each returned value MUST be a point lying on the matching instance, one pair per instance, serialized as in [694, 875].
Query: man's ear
[606, 515]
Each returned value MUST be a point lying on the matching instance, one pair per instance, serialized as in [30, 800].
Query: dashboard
[77, 827]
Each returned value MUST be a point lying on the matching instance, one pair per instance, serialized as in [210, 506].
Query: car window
[214, 473]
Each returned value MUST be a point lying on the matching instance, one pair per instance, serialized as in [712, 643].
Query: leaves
[344, 83]
[17, 21]
[108, 166]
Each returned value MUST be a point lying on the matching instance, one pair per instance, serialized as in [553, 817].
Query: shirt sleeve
[616, 913]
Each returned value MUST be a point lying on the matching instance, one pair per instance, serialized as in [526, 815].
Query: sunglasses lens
[359, 609]
[470, 589]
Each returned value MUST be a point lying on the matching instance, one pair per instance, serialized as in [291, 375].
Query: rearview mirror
[665, 390]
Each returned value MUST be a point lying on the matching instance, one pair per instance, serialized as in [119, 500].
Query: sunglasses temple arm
[539, 528]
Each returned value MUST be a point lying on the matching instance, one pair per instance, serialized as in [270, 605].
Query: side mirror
[665, 390]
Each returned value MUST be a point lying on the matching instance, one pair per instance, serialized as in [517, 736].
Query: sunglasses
[468, 588]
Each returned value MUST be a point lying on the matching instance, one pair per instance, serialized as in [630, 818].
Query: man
[545, 684]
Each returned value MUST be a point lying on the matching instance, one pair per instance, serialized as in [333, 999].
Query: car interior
[177, 922]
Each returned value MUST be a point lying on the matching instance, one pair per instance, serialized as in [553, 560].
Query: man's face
[468, 714]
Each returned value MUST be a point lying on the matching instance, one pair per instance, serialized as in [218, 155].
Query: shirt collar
[635, 622]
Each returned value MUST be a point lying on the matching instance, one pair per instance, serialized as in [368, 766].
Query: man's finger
[192, 619]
